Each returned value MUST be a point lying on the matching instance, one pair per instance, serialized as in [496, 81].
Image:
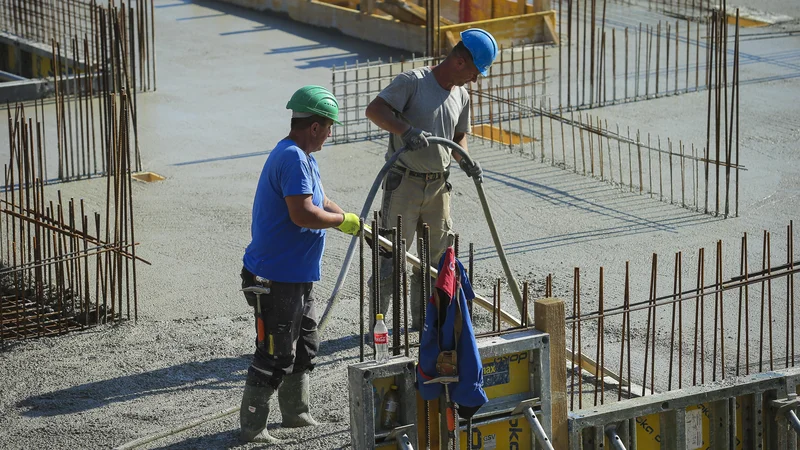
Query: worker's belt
[255, 279]
[424, 176]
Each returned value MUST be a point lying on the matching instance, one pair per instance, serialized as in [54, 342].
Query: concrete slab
[224, 77]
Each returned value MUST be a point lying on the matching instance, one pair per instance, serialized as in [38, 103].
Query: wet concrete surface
[224, 76]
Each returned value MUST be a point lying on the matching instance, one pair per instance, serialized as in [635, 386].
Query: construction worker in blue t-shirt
[284, 258]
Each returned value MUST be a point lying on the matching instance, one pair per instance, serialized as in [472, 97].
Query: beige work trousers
[419, 201]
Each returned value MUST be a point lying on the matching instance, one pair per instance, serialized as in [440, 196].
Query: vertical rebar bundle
[73, 22]
[672, 174]
[63, 268]
[519, 69]
[99, 54]
[676, 346]
[516, 89]
[647, 48]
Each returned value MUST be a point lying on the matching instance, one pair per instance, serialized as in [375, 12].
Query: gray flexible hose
[512, 282]
[351, 249]
[368, 203]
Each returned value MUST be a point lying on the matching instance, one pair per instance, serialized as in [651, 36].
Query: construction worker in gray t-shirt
[428, 101]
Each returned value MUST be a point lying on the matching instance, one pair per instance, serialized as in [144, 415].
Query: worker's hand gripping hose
[466, 160]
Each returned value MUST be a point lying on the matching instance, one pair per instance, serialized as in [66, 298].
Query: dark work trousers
[289, 342]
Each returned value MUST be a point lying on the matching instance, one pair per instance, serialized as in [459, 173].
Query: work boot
[293, 400]
[254, 413]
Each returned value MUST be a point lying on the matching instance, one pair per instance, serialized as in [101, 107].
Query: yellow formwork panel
[535, 27]
[494, 133]
[698, 429]
[648, 433]
[747, 23]
[42, 67]
[507, 433]
[502, 376]
[506, 375]
[381, 386]
[12, 57]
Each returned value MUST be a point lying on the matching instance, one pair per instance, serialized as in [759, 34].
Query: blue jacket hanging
[449, 327]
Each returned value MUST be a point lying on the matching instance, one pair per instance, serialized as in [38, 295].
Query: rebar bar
[42, 241]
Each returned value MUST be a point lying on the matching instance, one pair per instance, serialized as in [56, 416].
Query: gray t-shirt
[423, 103]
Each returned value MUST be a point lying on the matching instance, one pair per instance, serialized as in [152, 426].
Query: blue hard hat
[482, 46]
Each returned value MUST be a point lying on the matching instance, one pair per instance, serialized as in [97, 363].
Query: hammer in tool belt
[447, 369]
[262, 288]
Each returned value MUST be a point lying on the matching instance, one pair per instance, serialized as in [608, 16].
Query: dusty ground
[224, 77]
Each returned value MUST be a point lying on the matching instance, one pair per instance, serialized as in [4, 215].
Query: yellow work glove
[350, 225]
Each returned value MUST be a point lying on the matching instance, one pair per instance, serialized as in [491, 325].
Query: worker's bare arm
[460, 139]
[330, 206]
[305, 214]
[382, 115]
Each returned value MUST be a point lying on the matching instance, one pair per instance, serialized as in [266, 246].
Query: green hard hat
[315, 100]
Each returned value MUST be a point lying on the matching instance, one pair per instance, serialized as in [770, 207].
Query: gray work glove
[415, 139]
[473, 171]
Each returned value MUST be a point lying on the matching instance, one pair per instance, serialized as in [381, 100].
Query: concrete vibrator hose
[368, 204]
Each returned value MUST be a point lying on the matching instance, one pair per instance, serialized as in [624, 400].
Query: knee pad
[260, 378]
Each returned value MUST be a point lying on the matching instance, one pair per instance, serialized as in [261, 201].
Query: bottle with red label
[381, 340]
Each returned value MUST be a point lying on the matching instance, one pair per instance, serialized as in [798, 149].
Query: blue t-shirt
[280, 250]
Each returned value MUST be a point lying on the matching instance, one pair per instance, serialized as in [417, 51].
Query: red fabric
[447, 281]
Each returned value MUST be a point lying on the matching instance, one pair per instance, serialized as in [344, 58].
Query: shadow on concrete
[171, 5]
[334, 346]
[230, 439]
[216, 374]
[354, 49]
[563, 198]
[484, 253]
[253, 30]
[223, 158]
[208, 16]
[222, 439]
[296, 48]
[327, 61]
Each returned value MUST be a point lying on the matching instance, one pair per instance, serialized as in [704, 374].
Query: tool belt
[255, 279]
[425, 176]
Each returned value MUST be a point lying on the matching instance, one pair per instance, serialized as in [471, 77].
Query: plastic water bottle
[391, 409]
[381, 340]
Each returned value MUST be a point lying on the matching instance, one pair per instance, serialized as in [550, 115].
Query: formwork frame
[388, 31]
[700, 341]
[499, 348]
[361, 378]
[765, 420]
